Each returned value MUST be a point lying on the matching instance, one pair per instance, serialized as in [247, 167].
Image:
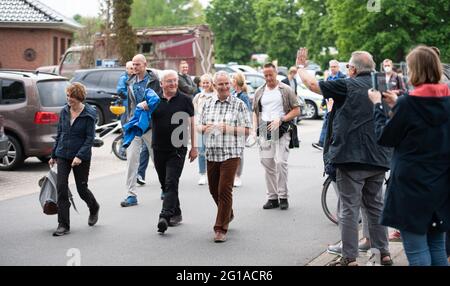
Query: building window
[29, 55]
[55, 51]
[69, 43]
[146, 48]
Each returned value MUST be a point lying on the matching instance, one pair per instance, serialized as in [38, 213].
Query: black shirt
[177, 110]
[335, 89]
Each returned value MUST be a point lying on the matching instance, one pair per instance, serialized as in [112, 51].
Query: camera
[379, 82]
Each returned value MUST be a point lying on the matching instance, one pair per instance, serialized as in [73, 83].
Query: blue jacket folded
[140, 122]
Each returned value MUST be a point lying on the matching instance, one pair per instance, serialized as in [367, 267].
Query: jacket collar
[431, 90]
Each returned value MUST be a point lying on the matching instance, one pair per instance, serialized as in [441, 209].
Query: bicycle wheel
[117, 148]
[329, 200]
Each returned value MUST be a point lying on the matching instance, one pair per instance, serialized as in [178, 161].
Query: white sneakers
[202, 180]
[237, 182]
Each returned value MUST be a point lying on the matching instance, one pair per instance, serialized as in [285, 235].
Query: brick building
[32, 34]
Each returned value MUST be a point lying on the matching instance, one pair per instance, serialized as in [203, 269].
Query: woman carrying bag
[72, 151]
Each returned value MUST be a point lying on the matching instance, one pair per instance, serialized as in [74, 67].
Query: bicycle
[329, 200]
[111, 128]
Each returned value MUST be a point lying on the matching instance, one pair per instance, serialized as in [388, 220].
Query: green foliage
[125, 37]
[233, 24]
[277, 29]
[85, 35]
[392, 32]
[153, 13]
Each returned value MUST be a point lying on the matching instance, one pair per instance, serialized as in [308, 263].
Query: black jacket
[353, 141]
[286, 81]
[76, 140]
[418, 193]
[186, 85]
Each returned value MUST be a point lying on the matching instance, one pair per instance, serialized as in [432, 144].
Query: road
[128, 236]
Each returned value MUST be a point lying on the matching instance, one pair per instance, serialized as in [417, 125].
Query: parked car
[30, 103]
[313, 102]
[3, 140]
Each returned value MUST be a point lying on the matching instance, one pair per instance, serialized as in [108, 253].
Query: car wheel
[15, 156]
[100, 119]
[311, 110]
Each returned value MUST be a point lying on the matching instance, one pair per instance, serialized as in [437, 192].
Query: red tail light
[42, 117]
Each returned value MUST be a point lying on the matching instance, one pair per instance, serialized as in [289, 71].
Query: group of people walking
[367, 134]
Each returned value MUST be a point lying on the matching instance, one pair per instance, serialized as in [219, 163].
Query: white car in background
[313, 101]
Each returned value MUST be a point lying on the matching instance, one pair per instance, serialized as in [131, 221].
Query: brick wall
[14, 42]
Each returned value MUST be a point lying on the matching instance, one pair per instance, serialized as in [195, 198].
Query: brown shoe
[220, 237]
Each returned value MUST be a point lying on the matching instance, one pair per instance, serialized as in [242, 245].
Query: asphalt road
[128, 236]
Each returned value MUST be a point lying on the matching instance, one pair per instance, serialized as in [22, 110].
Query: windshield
[52, 93]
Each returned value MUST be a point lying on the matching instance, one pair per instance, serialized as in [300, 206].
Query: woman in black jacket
[72, 150]
[417, 199]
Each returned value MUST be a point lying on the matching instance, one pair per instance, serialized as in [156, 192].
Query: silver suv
[30, 103]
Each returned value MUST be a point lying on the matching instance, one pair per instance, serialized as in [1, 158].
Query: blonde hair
[208, 77]
[424, 66]
[76, 90]
[240, 81]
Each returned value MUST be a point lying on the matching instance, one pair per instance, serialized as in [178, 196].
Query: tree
[125, 36]
[278, 23]
[106, 12]
[392, 32]
[152, 13]
[233, 26]
[85, 36]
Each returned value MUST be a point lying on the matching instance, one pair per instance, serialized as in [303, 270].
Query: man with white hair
[171, 121]
[137, 85]
[353, 150]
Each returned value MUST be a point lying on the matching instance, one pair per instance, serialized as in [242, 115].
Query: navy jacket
[418, 194]
[76, 140]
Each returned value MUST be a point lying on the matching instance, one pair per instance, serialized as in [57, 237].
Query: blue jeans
[323, 132]
[143, 161]
[201, 156]
[425, 249]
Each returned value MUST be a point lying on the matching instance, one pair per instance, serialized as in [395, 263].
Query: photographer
[360, 162]
[418, 196]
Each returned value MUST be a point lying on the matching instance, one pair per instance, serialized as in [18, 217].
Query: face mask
[387, 69]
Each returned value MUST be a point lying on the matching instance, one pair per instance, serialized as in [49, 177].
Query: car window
[12, 91]
[255, 81]
[93, 78]
[110, 79]
[52, 93]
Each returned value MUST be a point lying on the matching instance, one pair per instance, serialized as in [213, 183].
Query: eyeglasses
[171, 81]
[350, 66]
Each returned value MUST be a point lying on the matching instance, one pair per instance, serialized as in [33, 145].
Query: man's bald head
[139, 65]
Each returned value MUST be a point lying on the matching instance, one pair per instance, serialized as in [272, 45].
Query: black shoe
[162, 225]
[93, 215]
[271, 204]
[140, 180]
[284, 205]
[175, 220]
[61, 230]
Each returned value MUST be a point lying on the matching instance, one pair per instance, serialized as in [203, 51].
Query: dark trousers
[447, 243]
[169, 165]
[81, 174]
[220, 180]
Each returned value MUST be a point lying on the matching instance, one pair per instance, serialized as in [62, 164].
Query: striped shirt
[232, 112]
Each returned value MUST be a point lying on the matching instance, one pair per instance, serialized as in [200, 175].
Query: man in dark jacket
[290, 80]
[186, 85]
[361, 163]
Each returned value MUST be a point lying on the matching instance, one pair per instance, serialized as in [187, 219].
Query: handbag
[294, 142]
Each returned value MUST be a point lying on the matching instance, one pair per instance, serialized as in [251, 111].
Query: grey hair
[221, 73]
[333, 62]
[362, 61]
[166, 73]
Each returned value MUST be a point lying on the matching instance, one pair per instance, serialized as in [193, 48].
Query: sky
[69, 8]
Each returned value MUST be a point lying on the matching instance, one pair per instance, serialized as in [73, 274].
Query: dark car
[3, 139]
[30, 103]
[101, 84]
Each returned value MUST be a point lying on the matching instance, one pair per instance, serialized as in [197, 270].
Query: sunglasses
[350, 66]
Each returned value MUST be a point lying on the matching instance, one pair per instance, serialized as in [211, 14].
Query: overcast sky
[69, 8]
